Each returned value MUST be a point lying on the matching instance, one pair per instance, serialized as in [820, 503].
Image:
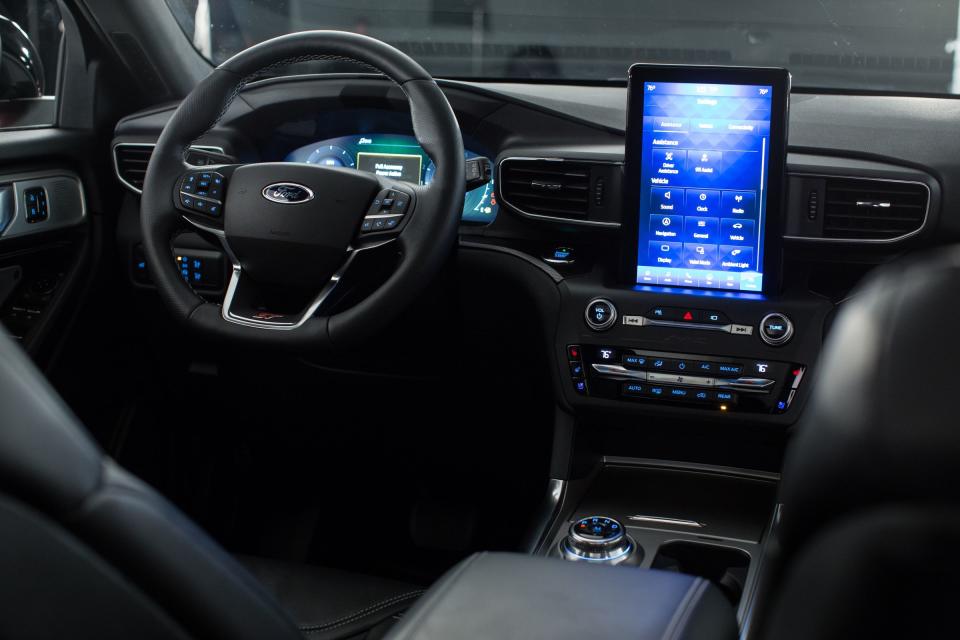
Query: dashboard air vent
[130, 159]
[131, 162]
[860, 209]
[552, 188]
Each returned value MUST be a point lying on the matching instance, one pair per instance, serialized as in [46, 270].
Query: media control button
[741, 329]
[776, 329]
[600, 314]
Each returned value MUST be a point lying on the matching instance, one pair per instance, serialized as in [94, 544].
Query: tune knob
[776, 329]
[598, 539]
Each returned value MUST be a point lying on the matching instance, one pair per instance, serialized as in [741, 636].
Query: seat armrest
[512, 596]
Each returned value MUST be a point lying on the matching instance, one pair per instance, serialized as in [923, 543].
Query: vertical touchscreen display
[704, 166]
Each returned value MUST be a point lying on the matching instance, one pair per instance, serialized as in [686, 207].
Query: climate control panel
[708, 382]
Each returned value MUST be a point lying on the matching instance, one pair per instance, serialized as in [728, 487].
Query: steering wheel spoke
[264, 307]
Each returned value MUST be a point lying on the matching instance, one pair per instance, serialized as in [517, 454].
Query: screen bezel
[779, 79]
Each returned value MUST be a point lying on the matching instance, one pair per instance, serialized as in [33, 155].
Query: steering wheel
[298, 227]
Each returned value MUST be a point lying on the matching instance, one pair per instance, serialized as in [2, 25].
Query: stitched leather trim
[362, 613]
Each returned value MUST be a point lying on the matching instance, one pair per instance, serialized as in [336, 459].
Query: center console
[697, 318]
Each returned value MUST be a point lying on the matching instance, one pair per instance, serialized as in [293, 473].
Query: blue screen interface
[705, 153]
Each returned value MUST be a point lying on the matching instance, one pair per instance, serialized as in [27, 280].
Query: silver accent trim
[611, 550]
[59, 214]
[304, 317]
[116, 163]
[923, 225]
[306, 189]
[538, 216]
[663, 520]
[643, 321]
[606, 324]
[782, 340]
[745, 384]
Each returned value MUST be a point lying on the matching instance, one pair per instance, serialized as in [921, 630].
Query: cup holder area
[724, 566]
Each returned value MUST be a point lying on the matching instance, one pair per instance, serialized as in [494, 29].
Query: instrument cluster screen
[397, 157]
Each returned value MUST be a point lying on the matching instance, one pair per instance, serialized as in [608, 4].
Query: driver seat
[89, 551]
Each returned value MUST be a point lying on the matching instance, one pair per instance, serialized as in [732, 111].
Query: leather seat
[867, 545]
[89, 551]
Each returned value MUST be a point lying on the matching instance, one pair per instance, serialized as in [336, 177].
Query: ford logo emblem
[287, 193]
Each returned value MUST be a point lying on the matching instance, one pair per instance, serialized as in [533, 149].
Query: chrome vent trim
[549, 186]
[875, 199]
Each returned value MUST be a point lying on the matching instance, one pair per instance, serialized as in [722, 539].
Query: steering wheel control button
[202, 192]
[600, 314]
[386, 212]
[776, 329]
[597, 539]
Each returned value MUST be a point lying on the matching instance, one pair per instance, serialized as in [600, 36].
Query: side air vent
[550, 188]
[130, 160]
[860, 209]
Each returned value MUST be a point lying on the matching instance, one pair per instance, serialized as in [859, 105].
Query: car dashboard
[861, 187]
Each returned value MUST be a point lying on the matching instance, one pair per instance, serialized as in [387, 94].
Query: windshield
[890, 45]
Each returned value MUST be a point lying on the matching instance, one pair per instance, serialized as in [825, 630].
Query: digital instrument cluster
[394, 156]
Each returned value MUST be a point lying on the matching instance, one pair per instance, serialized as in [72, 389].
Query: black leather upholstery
[89, 551]
[507, 596]
[871, 485]
[351, 603]
[881, 427]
